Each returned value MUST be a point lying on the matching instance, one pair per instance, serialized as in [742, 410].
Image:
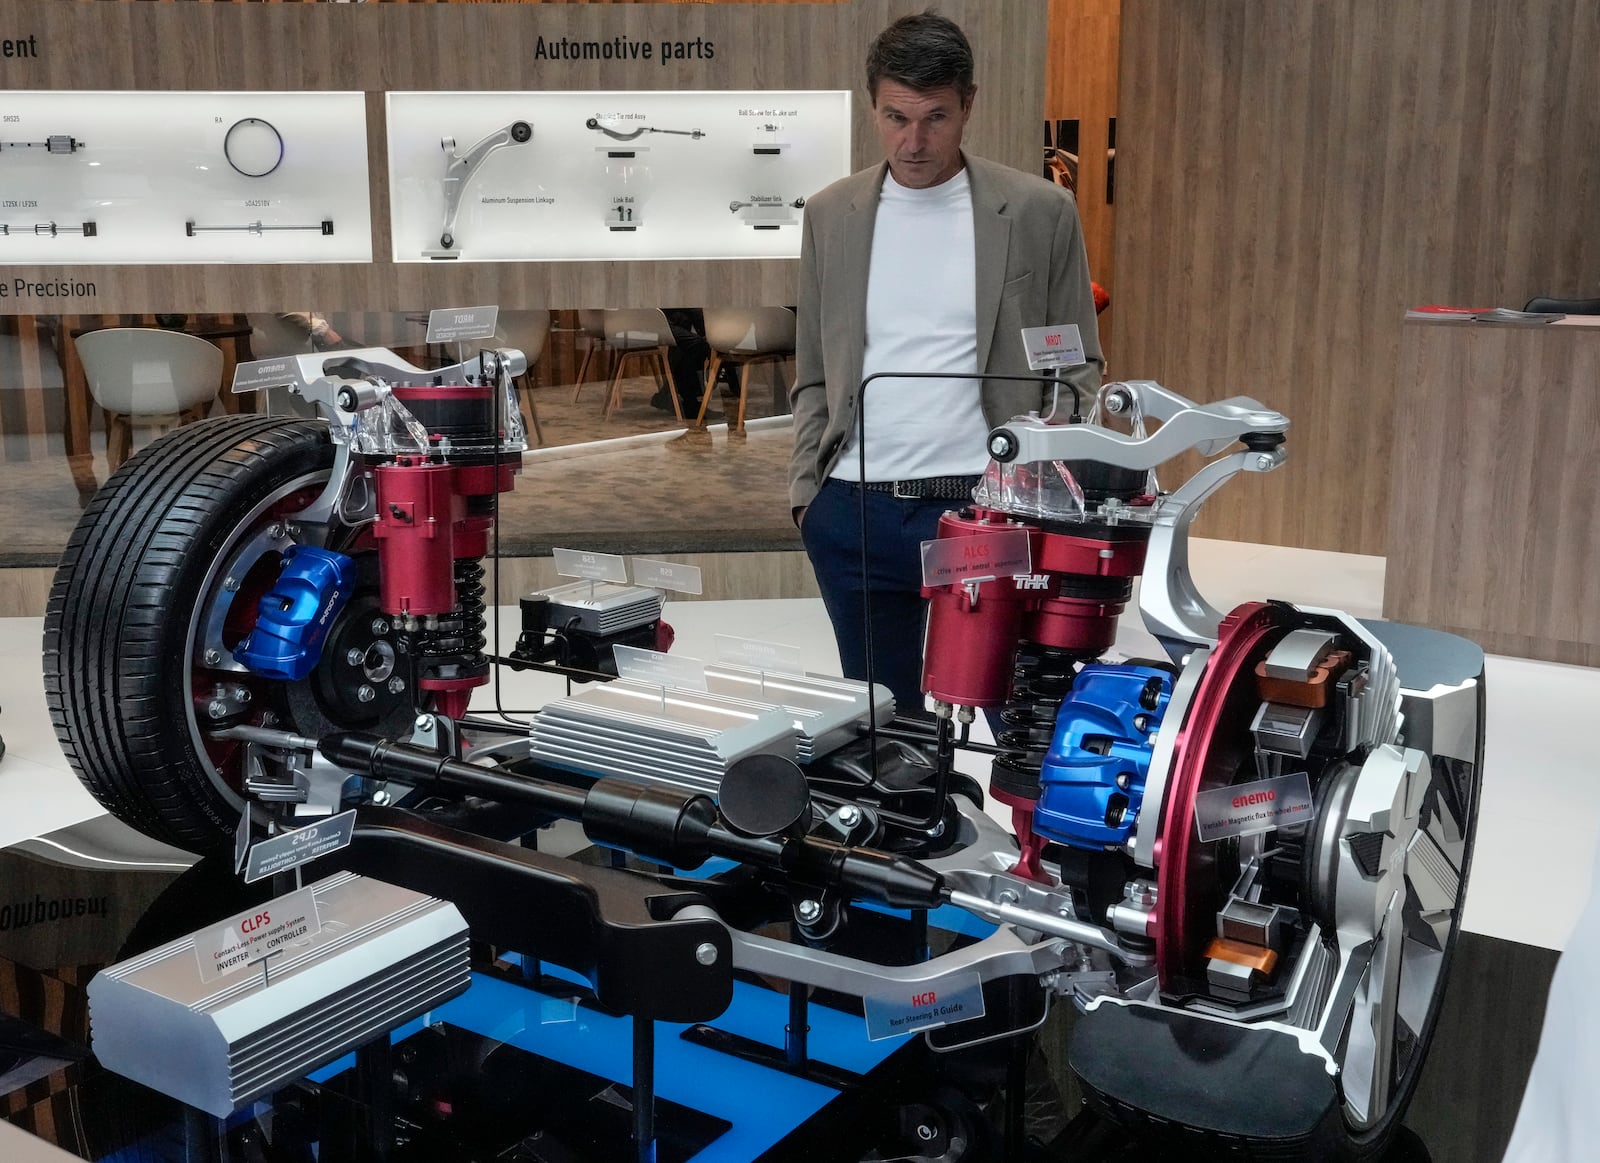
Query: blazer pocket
[1017, 285]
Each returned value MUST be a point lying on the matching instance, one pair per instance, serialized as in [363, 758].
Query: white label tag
[607, 567]
[303, 845]
[657, 669]
[1053, 347]
[769, 656]
[456, 324]
[666, 575]
[240, 941]
[1006, 552]
[1246, 808]
[904, 1009]
[258, 374]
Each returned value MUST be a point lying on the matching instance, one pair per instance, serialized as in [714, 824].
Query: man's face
[921, 132]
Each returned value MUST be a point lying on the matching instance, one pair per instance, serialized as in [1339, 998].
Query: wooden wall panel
[1292, 176]
[1494, 531]
[377, 48]
[1081, 84]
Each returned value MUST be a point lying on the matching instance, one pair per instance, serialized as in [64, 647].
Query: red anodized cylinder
[418, 509]
[973, 631]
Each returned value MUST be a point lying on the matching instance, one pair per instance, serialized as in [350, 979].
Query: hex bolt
[809, 912]
[1263, 461]
[354, 655]
[217, 709]
[213, 657]
[241, 694]
[380, 797]
[706, 954]
[396, 685]
[380, 627]
[849, 815]
[424, 723]
[230, 584]
[365, 693]
[275, 531]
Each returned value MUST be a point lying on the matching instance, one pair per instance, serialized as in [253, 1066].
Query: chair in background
[527, 331]
[592, 334]
[1564, 306]
[744, 337]
[147, 374]
[639, 334]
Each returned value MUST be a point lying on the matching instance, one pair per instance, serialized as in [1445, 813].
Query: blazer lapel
[991, 236]
[854, 261]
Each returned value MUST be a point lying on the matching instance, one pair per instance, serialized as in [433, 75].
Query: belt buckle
[899, 496]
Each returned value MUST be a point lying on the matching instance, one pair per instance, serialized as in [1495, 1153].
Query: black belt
[927, 488]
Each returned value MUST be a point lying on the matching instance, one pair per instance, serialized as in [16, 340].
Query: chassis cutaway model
[1243, 862]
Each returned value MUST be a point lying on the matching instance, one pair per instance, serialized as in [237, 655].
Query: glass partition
[615, 458]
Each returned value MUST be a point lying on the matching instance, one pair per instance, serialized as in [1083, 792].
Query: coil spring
[1042, 678]
[469, 575]
[459, 636]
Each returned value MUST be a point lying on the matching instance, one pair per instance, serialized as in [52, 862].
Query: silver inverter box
[227, 1014]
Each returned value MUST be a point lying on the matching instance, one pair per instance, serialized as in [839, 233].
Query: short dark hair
[928, 51]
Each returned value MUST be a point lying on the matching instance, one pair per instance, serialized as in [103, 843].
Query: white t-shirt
[922, 316]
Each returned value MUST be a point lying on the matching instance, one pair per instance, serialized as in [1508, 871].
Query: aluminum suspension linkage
[1172, 607]
[684, 829]
[460, 167]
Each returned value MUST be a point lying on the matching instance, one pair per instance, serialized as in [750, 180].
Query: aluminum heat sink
[382, 956]
[602, 607]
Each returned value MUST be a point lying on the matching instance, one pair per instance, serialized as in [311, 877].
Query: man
[932, 262]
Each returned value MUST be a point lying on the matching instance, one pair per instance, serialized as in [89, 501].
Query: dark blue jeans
[895, 531]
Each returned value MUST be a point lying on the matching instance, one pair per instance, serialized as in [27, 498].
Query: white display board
[170, 177]
[606, 175]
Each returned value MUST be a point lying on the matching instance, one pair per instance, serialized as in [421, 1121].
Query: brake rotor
[1212, 745]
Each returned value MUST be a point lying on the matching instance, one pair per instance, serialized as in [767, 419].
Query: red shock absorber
[418, 510]
[435, 514]
[974, 628]
[1016, 642]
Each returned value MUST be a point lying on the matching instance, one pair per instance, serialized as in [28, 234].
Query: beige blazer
[1031, 272]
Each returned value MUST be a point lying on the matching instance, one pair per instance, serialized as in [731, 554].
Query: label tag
[607, 567]
[1052, 347]
[769, 656]
[905, 1009]
[1246, 808]
[302, 846]
[241, 941]
[1005, 552]
[666, 575]
[283, 372]
[657, 669]
[241, 839]
[455, 324]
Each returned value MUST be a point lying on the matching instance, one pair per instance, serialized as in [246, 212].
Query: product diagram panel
[514, 177]
[142, 177]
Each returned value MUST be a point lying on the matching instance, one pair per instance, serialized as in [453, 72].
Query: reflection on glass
[587, 478]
